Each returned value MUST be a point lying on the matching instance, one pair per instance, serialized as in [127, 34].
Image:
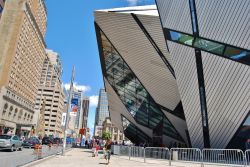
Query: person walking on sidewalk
[107, 147]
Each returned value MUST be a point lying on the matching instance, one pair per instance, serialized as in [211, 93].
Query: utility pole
[68, 110]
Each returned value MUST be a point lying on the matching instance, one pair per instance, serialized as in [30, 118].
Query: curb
[36, 162]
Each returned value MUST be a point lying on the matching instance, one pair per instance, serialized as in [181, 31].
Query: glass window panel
[131, 92]
[143, 107]
[210, 46]
[130, 87]
[129, 78]
[181, 38]
[116, 57]
[236, 54]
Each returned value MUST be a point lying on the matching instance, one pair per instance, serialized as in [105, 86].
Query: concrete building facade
[117, 135]
[51, 93]
[22, 53]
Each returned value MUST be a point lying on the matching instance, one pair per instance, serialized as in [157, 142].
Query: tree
[106, 135]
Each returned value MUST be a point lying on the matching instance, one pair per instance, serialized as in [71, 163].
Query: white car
[10, 142]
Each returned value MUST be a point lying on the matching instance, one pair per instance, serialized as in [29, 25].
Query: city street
[18, 158]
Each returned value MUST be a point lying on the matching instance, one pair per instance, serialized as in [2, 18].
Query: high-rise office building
[76, 112]
[51, 93]
[22, 53]
[101, 112]
[85, 113]
[181, 78]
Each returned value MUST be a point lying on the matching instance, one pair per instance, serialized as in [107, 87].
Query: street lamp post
[68, 110]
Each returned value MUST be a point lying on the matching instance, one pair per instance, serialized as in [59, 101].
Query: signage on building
[74, 107]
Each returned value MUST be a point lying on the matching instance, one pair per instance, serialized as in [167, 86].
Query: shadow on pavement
[103, 163]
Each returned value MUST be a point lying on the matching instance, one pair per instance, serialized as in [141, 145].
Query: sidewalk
[82, 157]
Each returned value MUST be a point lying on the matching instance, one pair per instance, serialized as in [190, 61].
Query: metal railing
[136, 153]
[247, 157]
[185, 156]
[158, 153]
[230, 157]
[122, 151]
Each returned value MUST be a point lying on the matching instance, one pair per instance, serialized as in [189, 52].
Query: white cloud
[83, 88]
[93, 100]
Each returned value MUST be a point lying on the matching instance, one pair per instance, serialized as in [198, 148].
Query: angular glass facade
[231, 52]
[132, 93]
[242, 138]
[133, 133]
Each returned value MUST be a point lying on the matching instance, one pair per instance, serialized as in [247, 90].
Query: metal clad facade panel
[179, 124]
[226, 21]
[175, 14]
[116, 108]
[228, 94]
[184, 64]
[154, 28]
[141, 56]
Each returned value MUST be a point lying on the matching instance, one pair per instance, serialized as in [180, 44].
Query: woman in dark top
[107, 147]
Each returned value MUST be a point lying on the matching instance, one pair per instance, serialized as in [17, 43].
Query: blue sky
[71, 33]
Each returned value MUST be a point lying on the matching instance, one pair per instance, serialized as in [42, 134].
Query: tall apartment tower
[22, 53]
[101, 112]
[51, 93]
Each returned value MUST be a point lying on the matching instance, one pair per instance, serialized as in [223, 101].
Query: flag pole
[68, 110]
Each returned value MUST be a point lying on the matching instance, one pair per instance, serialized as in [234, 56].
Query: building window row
[214, 47]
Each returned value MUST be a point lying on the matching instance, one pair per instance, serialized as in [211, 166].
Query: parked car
[10, 142]
[57, 140]
[31, 142]
[47, 141]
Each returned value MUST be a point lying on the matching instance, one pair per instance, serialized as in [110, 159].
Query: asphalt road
[18, 158]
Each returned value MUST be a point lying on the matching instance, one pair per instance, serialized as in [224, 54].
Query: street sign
[81, 131]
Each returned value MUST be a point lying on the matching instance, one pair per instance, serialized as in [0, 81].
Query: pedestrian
[94, 149]
[107, 147]
[9, 132]
[86, 144]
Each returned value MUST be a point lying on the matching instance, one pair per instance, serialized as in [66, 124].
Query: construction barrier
[185, 157]
[137, 153]
[229, 157]
[159, 153]
[247, 158]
